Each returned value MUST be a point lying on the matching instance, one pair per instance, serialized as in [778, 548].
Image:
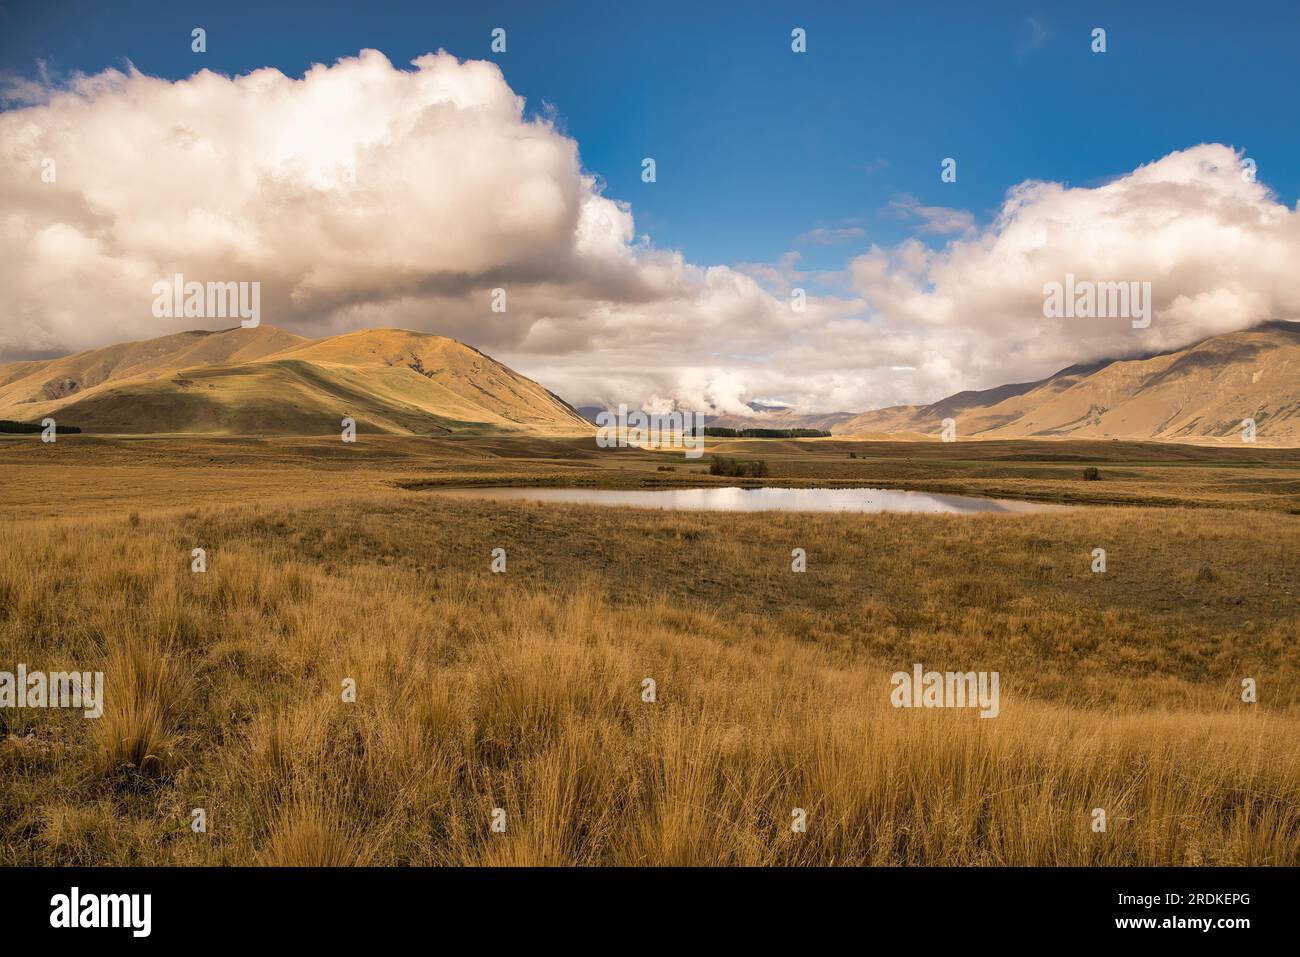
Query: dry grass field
[523, 690]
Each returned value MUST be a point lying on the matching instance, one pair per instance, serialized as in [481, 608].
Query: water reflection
[762, 499]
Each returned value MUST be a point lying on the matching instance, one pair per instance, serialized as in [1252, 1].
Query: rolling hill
[267, 381]
[1197, 394]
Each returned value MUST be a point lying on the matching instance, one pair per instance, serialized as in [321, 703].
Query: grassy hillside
[82, 373]
[267, 382]
[1201, 393]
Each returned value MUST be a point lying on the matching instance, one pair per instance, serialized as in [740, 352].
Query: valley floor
[523, 691]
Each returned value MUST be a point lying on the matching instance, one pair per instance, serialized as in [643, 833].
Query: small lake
[761, 499]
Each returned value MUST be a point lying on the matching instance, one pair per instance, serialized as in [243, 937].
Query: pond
[762, 499]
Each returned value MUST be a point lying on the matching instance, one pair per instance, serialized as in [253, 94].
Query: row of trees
[24, 428]
[723, 433]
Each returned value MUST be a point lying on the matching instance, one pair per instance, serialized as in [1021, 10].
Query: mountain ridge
[269, 381]
[1201, 392]
[1079, 402]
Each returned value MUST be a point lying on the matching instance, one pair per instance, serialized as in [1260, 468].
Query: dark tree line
[724, 433]
[9, 425]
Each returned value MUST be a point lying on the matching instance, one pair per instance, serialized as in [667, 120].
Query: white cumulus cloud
[366, 195]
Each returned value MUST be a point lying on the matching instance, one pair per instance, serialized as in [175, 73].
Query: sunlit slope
[1200, 393]
[388, 381]
[78, 375]
[447, 377]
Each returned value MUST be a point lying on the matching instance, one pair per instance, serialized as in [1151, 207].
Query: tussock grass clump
[146, 689]
[310, 834]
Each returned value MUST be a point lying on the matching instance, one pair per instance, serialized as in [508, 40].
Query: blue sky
[755, 145]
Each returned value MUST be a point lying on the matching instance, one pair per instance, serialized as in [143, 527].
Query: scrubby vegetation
[723, 465]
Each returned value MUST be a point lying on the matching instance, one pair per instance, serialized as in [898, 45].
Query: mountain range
[1200, 393]
[268, 381]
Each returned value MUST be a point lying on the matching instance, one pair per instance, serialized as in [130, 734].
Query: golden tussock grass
[523, 691]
